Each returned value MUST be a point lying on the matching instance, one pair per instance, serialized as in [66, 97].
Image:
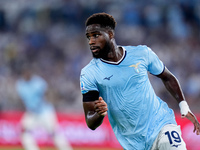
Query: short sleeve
[155, 65]
[87, 82]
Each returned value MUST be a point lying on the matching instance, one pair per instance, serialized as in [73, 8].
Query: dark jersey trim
[90, 96]
[162, 71]
[159, 73]
[114, 63]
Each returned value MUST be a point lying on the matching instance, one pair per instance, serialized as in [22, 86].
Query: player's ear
[111, 34]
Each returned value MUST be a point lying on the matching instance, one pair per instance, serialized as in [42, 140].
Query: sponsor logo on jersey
[107, 78]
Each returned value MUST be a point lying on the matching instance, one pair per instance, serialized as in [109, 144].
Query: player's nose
[91, 41]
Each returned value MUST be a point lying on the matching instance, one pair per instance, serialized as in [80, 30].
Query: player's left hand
[194, 120]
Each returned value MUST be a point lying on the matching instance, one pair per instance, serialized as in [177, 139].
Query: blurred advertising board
[75, 130]
[72, 126]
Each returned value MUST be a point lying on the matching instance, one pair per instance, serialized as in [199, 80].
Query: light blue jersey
[135, 113]
[32, 93]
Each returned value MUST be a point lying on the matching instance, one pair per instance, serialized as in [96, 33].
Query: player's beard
[103, 52]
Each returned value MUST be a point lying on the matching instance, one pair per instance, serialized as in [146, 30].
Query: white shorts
[46, 120]
[169, 138]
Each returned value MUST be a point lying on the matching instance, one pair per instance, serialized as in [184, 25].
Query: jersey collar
[118, 62]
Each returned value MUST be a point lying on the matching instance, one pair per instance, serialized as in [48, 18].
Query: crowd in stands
[49, 36]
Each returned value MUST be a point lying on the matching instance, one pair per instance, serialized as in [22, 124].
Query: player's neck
[115, 54]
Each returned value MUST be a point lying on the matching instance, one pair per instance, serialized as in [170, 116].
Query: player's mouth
[94, 49]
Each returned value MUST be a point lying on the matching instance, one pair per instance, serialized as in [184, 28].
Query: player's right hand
[101, 107]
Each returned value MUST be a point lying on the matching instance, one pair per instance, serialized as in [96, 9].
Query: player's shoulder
[137, 50]
[91, 65]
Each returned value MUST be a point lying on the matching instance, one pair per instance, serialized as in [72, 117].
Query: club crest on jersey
[136, 67]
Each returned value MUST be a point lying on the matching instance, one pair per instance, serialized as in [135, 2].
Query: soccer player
[116, 82]
[32, 89]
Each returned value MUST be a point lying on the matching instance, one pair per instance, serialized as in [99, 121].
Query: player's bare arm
[173, 86]
[95, 112]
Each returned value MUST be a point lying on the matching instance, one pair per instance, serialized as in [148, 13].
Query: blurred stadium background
[49, 35]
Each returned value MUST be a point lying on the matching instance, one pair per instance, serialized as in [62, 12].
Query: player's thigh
[29, 121]
[49, 121]
[170, 138]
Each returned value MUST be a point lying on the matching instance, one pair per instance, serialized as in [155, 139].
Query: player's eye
[88, 37]
[96, 35]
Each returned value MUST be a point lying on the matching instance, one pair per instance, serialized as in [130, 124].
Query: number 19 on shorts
[174, 138]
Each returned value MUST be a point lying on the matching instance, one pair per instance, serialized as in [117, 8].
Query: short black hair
[104, 19]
